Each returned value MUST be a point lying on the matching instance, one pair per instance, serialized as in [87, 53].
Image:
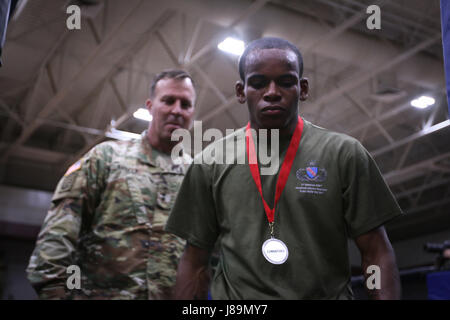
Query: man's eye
[185, 104]
[286, 82]
[257, 83]
[169, 101]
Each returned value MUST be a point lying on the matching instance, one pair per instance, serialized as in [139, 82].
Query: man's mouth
[175, 125]
[272, 110]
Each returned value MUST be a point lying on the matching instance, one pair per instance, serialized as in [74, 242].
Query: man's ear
[304, 89]
[148, 104]
[240, 94]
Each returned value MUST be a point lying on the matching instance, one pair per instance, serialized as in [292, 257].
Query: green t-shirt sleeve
[368, 201]
[193, 216]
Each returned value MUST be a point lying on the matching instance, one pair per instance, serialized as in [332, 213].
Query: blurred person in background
[108, 211]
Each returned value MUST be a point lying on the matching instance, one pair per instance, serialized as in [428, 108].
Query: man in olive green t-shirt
[328, 188]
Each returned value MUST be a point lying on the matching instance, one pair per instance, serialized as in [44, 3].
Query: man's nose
[272, 93]
[176, 107]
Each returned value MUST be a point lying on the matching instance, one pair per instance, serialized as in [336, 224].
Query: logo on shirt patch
[312, 178]
[312, 173]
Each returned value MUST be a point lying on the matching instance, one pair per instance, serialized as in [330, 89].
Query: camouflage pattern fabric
[107, 216]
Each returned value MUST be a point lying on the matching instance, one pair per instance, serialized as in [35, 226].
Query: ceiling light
[232, 45]
[422, 102]
[143, 114]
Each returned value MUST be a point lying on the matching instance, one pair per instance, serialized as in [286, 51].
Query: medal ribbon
[285, 166]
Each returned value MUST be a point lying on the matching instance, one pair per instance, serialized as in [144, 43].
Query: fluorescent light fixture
[122, 135]
[143, 114]
[232, 45]
[422, 102]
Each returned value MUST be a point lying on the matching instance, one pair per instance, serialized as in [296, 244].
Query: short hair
[268, 43]
[176, 74]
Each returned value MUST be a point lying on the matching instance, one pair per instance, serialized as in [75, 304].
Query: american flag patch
[76, 166]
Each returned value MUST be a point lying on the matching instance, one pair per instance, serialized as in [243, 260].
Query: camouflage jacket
[107, 217]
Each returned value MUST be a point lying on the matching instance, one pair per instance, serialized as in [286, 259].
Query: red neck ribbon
[285, 167]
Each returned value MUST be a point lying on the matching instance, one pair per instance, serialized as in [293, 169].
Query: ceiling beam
[413, 171]
[134, 49]
[354, 82]
[37, 154]
[37, 78]
[144, 39]
[368, 74]
[212, 44]
[64, 125]
[411, 138]
[430, 185]
[336, 31]
[124, 117]
[193, 41]
[364, 109]
[221, 108]
[209, 83]
[429, 206]
[13, 115]
[168, 49]
[56, 100]
[385, 115]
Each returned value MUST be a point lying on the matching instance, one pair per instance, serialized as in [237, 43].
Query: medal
[274, 250]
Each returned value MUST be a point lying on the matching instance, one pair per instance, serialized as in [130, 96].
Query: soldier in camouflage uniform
[109, 210]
